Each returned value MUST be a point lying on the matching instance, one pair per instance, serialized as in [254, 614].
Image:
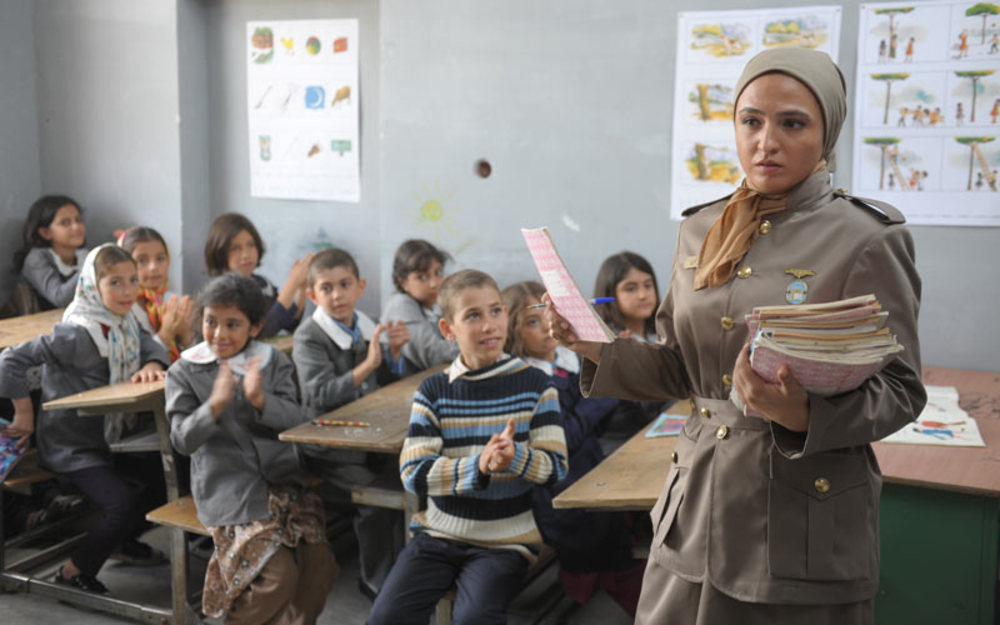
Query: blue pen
[595, 301]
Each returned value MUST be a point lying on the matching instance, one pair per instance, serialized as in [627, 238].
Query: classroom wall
[108, 112]
[571, 103]
[290, 229]
[20, 182]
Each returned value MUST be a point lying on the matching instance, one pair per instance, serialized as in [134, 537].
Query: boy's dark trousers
[487, 581]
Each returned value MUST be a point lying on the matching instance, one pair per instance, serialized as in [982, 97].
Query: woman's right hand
[561, 331]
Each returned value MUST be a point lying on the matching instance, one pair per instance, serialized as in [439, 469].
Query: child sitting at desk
[417, 271]
[483, 433]
[339, 358]
[97, 343]
[234, 244]
[594, 548]
[227, 399]
[52, 250]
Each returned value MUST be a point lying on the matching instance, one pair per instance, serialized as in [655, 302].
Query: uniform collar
[565, 360]
[202, 354]
[339, 333]
[457, 368]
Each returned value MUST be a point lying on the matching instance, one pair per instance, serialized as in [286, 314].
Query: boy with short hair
[482, 434]
[339, 358]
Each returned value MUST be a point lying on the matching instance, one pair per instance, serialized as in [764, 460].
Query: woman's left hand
[152, 372]
[786, 402]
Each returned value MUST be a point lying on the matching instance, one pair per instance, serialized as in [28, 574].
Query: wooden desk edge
[93, 397]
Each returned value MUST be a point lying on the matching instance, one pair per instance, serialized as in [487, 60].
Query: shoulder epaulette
[883, 211]
[697, 207]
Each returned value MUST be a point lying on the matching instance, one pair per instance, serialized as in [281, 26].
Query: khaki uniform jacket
[761, 513]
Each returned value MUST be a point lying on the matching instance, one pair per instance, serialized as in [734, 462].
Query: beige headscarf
[732, 234]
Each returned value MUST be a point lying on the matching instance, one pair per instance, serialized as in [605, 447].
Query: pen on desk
[595, 301]
[337, 422]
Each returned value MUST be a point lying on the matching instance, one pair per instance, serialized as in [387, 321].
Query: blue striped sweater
[451, 423]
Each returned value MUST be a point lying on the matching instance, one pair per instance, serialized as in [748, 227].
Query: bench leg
[442, 613]
[178, 574]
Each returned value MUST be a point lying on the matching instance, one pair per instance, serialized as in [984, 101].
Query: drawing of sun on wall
[896, 164]
[706, 163]
[711, 102]
[721, 40]
[803, 32]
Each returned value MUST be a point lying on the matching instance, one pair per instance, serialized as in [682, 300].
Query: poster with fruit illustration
[303, 100]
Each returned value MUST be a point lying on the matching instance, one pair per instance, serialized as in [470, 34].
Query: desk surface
[112, 397]
[632, 477]
[387, 410]
[282, 343]
[17, 330]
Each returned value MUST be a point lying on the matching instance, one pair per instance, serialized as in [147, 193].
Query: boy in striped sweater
[482, 434]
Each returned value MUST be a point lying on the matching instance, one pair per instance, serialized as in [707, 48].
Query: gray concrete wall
[20, 179]
[108, 112]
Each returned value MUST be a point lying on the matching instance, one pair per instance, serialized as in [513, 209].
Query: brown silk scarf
[730, 237]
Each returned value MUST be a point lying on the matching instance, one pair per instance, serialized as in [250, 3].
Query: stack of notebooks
[829, 348]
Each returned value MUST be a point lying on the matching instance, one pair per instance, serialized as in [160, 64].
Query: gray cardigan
[235, 457]
[71, 363]
[42, 273]
[426, 347]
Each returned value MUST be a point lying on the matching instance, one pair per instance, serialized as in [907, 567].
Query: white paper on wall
[303, 99]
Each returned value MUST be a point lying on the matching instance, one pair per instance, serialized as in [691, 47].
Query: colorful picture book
[10, 455]
[666, 425]
[565, 294]
[942, 422]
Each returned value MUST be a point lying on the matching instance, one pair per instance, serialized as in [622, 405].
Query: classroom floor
[540, 603]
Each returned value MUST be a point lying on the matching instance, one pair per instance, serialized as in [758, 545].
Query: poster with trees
[927, 104]
[712, 47]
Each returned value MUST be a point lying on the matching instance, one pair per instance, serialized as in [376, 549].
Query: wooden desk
[17, 330]
[387, 410]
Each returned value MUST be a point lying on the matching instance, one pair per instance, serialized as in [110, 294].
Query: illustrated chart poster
[712, 48]
[302, 103]
[927, 110]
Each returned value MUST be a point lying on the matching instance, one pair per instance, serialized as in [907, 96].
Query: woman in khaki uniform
[770, 520]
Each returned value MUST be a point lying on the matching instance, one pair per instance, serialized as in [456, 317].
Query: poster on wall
[302, 103]
[927, 104]
[712, 48]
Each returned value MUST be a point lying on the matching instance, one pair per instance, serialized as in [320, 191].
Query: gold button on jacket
[745, 272]
[727, 323]
[765, 227]
[722, 432]
[822, 484]
[705, 413]
[727, 379]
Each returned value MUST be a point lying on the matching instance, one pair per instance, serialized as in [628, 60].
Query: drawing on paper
[340, 45]
[262, 45]
[313, 45]
[708, 163]
[343, 95]
[289, 44]
[340, 146]
[975, 31]
[721, 40]
[986, 174]
[712, 102]
[315, 97]
[802, 32]
[890, 47]
[888, 79]
[972, 87]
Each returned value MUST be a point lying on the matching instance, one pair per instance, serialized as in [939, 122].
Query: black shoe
[84, 582]
[137, 554]
[367, 590]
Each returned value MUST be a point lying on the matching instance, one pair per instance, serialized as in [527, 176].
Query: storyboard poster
[712, 48]
[302, 103]
[927, 110]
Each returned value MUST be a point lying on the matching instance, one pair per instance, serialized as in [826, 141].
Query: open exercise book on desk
[942, 422]
[563, 290]
[9, 453]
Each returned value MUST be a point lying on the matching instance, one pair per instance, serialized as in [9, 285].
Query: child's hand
[170, 320]
[223, 390]
[151, 372]
[297, 274]
[23, 425]
[399, 335]
[253, 387]
[498, 454]
[374, 357]
[187, 314]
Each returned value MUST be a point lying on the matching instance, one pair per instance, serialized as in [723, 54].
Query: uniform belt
[723, 412]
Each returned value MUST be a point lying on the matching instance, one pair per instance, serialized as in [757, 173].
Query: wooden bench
[26, 473]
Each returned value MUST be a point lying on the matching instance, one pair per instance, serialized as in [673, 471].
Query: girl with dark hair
[52, 249]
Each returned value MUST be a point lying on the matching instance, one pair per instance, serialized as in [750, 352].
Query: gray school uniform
[54, 281]
[71, 364]
[325, 368]
[235, 457]
[427, 347]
